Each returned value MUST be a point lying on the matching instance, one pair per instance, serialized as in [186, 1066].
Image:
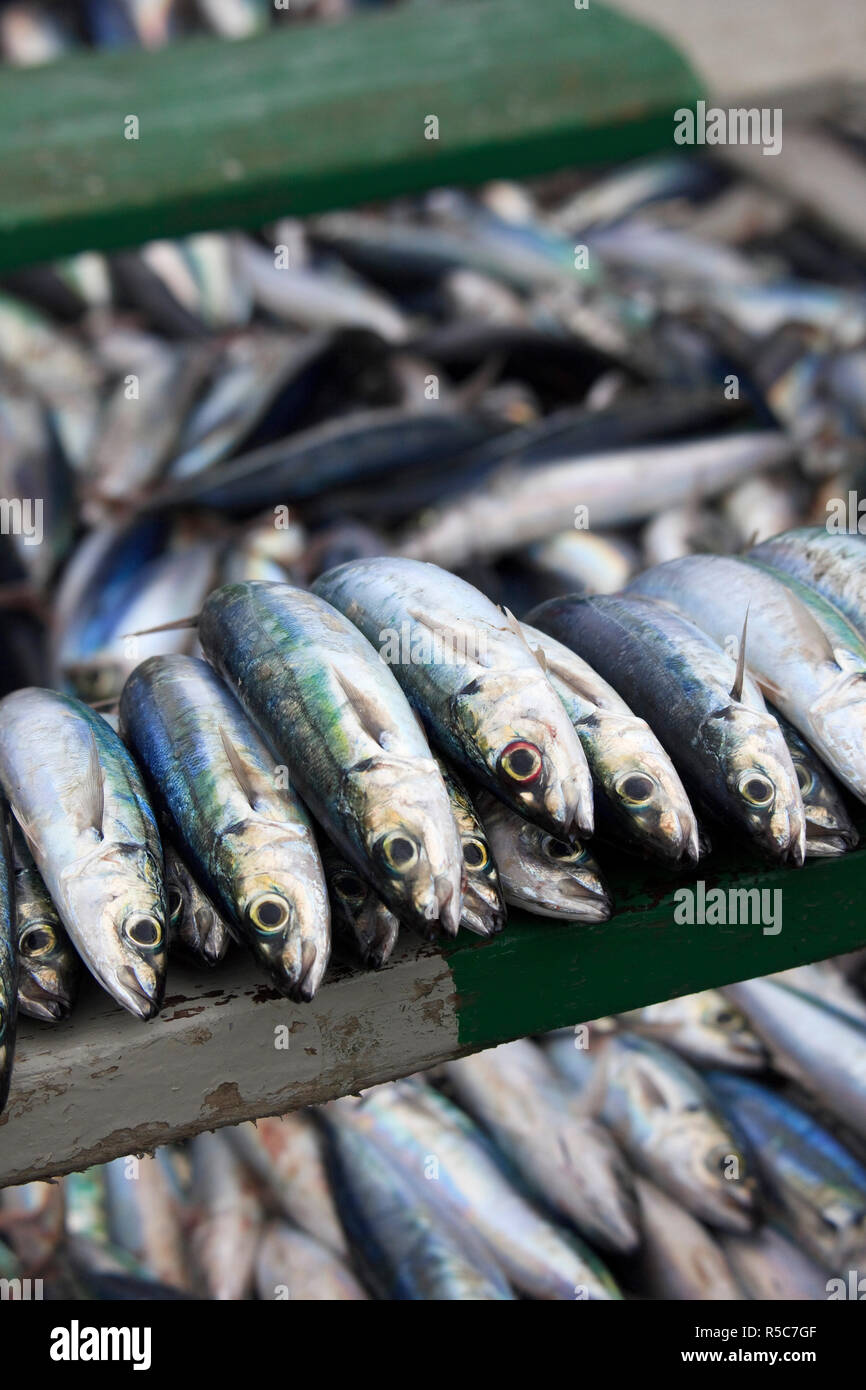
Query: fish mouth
[564, 808]
[483, 911]
[50, 1004]
[436, 907]
[139, 989]
[675, 837]
[300, 980]
[379, 938]
[822, 844]
[213, 935]
[584, 901]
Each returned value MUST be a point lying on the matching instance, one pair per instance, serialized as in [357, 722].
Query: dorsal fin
[737, 687]
[513, 624]
[176, 626]
[570, 678]
[94, 788]
[540, 657]
[27, 830]
[372, 721]
[462, 637]
[240, 771]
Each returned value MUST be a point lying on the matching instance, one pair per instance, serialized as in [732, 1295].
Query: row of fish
[615, 716]
[711, 1147]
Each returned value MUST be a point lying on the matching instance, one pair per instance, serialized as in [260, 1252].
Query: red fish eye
[520, 761]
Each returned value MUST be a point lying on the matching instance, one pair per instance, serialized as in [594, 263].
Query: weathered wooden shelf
[306, 118]
[104, 1084]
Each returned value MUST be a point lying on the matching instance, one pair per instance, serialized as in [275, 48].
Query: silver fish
[704, 1028]
[410, 1122]
[770, 1267]
[474, 682]
[292, 1264]
[229, 1221]
[407, 1248]
[483, 903]
[233, 813]
[145, 1219]
[709, 717]
[196, 928]
[359, 916]
[568, 1159]
[287, 1155]
[331, 707]
[49, 966]
[80, 801]
[548, 876]
[817, 685]
[819, 1047]
[832, 563]
[829, 828]
[679, 1258]
[670, 1127]
[632, 774]
[808, 1180]
[311, 298]
[513, 509]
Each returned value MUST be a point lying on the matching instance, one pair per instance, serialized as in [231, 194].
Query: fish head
[761, 785]
[483, 903]
[711, 1170]
[280, 902]
[560, 876]
[827, 819]
[410, 838]
[643, 787]
[518, 728]
[48, 975]
[372, 925]
[120, 887]
[723, 1032]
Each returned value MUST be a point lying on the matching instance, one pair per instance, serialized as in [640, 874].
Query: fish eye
[635, 788]
[560, 852]
[350, 886]
[805, 778]
[521, 762]
[725, 1017]
[757, 789]
[268, 912]
[143, 931]
[175, 905]
[475, 853]
[37, 940]
[399, 851]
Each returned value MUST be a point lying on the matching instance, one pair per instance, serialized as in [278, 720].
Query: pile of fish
[308, 723]
[712, 1147]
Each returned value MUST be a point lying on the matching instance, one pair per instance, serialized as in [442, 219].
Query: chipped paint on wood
[105, 1084]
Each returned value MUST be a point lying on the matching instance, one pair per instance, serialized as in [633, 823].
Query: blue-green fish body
[236, 818]
[354, 749]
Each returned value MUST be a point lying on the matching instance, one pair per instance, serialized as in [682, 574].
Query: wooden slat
[311, 117]
[104, 1084]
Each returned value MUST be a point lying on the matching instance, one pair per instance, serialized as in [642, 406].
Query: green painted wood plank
[227, 1048]
[302, 119]
[548, 976]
